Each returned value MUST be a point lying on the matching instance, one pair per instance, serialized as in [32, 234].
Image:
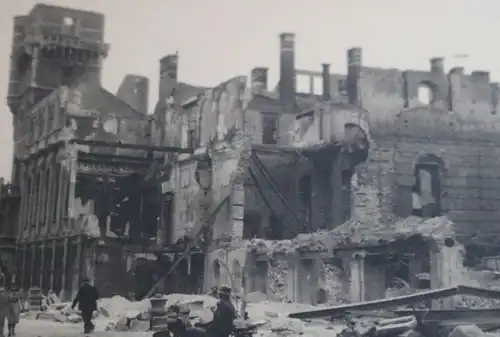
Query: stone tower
[51, 47]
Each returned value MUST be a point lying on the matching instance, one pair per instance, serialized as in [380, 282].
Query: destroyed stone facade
[104, 185]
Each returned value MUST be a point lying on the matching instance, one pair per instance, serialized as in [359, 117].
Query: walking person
[14, 310]
[86, 298]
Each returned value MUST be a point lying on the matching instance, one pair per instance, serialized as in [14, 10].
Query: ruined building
[103, 188]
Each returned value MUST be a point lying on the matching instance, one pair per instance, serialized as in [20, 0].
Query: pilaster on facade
[358, 277]
[52, 265]
[64, 293]
[42, 264]
[70, 189]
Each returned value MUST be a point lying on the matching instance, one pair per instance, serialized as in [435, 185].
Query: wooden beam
[143, 147]
[455, 317]
[398, 301]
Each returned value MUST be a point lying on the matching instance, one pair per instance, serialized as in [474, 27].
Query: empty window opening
[317, 85]
[68, 21]
[269, 129]
[303, 83]
[191, 138]
[425, 94]
[426, 193]
[275, 228]
[251, 225]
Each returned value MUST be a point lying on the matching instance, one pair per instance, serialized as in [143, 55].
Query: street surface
[38, 328]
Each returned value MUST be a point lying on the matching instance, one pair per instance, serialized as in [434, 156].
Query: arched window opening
[425, 94]
[216, 270]
[426, 192]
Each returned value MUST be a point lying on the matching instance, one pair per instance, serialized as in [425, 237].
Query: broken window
[251, 225]
[68, 74]
[426, 93]
[275, 228]
[269, 129]
[191, 138]
[427, 190]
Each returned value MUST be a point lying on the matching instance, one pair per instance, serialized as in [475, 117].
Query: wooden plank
[397, 301]
[455, 317]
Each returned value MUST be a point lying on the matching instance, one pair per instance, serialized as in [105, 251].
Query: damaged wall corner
[447, 269]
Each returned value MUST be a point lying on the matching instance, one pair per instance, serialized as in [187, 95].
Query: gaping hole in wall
[252, 223]
[405, 266]
[68, 21]
[317, 85]
[275, 228]
[123, 207]
[23, 63]
[426, 193]
[303, 83]
[68, 75]
[269, 128]
[425, 93]
[355, 144]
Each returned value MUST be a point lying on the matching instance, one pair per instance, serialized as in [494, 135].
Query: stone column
[60, 199]
[292, 279]
[42, 264]
[53, 265]
[63, 269]
[446, 262]
[357, 265]
[32, 263]
[23, 267]
[70, 189]
[77, 264]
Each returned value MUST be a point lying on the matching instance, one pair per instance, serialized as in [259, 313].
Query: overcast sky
[218, 39]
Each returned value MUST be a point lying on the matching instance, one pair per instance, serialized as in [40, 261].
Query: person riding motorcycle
[224, 315]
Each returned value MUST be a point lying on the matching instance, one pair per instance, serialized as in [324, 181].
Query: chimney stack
[354, 65]
[437, 65]
[168, 66]
[259, 79]
[327, 91]
[168, 81]
[287, 71]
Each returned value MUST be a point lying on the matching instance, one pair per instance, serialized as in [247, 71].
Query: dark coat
[224, 316]
[86, 298]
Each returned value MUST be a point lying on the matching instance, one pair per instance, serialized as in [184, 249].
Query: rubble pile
[336, 284]
[355, 232]
[277, 276]
[114, 310]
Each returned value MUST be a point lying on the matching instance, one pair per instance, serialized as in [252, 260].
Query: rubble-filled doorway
[144, 278]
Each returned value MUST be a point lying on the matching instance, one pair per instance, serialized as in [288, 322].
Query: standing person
[86, 298]
[224, 315]
[14, 310]
[4, 307]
